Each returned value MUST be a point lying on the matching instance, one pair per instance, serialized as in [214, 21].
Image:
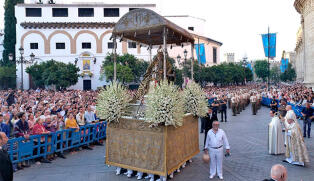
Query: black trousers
[202, 125]
[205, 137]
[223, 112]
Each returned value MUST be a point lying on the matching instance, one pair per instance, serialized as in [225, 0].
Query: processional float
[131, 143]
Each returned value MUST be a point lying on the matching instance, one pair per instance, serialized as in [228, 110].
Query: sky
[236, 23]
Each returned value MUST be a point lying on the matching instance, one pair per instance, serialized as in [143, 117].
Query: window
[60, 12]
[110, 45]
[130, 9]
[85, 12]
[111, 12]
[34, 46]
[86, 45]
[132, 44]
[214, 54]
[191, 28]
[33, 12]
[60, 45]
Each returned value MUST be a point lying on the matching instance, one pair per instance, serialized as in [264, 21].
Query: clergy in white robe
[290, 113]
[275, 136]
[296, 152]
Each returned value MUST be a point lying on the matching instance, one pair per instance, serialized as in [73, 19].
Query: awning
[147, 27]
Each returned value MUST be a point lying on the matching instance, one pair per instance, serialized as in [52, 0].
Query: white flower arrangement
[195, 101]
[164, 106]
[112, 102]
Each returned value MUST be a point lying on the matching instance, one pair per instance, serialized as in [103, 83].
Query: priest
[296, 152]
[275, 136]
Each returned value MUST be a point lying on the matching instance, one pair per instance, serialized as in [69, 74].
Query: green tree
[9, 30]
[261, 69]
[138, 67]
[124, 73]
[7, 77]
[289, 74]
[248, 74]
[275, 74]
[54, 73]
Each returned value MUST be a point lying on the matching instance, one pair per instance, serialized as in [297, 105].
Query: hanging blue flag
[284, 65]
[201, 54]
[249, 66]
[271, 46]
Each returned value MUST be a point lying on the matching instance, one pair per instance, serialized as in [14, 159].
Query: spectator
[6, 167]
[89, 115]
[21, 128]
[39, 129]
[307, 114]
[4, 127]
[31, 122]
[278, 173]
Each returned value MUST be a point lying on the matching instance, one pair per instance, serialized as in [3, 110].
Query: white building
[71, 32]
[229, 57]
[1, 43]
[305, 42]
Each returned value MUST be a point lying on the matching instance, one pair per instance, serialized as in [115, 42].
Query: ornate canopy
[147, 27]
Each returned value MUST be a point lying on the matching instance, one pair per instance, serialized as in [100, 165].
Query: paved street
[249, 160]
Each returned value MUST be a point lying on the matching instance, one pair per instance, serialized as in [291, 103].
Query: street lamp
[21, 60]
[244, 63]
[178, 59]
[185, 55]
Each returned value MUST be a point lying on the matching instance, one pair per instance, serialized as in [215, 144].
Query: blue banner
[284, 65]
[201, 54]
[271, 46]
[249, 65]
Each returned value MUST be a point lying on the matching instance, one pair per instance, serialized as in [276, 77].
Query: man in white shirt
[89, 115]
[216, 139]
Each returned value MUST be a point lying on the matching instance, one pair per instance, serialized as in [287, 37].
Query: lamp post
[244, 63]
[185, 55]
[21, 60]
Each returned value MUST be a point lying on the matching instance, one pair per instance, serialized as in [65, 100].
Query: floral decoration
[195, 101]
[112, 102]
[164, 106]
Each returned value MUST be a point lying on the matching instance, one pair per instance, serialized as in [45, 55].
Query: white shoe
[211, 177]
[139, 177]
[151, 179]
[178, 170]
[171, 175]
[118, 171]
[183, 166]
[221, 177]
[190, 161]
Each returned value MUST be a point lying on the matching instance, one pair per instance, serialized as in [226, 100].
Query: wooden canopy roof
[147, 27]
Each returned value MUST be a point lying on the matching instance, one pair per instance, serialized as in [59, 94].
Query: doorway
[87, 84]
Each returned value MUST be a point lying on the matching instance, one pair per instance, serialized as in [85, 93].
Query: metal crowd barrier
[36, 146]
[296, 108]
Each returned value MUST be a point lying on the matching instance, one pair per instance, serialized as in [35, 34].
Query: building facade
[305, 42]
[229, 57]
[80, 34]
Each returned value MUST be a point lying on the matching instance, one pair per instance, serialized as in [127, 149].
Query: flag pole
[268, 80]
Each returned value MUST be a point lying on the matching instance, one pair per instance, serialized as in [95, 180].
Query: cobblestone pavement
[249, 159]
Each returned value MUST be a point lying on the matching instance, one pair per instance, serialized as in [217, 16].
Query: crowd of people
[37, 112]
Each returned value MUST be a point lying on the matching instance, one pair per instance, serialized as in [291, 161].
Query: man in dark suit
[208, 122]
[6, 168]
